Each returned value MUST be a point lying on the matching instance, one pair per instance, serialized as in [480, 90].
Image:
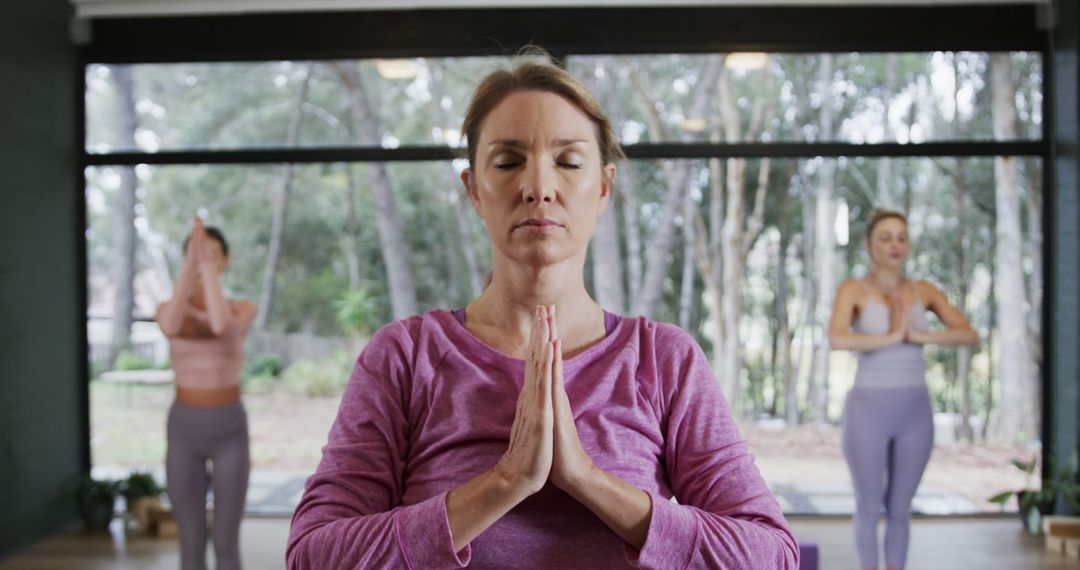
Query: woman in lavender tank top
[888, 423]
[532, 429]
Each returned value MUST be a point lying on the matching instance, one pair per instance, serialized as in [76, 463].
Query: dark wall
[1062, 394]
[42, 411]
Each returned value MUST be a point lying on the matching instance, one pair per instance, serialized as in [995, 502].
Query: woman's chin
[538, 254]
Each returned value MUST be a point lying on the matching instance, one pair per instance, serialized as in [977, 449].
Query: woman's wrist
[512, 481]
[581, 484]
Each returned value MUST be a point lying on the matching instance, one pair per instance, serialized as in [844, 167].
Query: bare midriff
[207, 368]
[207, 397]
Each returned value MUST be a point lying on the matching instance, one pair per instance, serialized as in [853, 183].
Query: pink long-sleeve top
[429, 406]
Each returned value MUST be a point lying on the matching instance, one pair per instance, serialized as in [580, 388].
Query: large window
[747, 169]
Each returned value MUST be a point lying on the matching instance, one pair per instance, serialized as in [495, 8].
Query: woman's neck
[886, 277]
[509, 302]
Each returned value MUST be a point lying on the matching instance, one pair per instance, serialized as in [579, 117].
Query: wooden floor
[945, 544]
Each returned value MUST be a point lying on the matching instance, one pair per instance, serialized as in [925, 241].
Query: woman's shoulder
[926, 291]
[413, 330]
[852, 286]
[925, 286]
[657, 335]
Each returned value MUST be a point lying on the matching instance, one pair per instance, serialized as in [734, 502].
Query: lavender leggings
[218, 436]
[888, 436]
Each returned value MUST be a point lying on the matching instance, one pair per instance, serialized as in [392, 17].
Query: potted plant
[1036, 502]
[142, 495]
[97, 499]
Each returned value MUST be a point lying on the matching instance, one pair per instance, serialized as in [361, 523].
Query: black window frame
[460, 32]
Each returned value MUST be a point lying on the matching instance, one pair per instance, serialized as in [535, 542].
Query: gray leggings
[196, 436]
[888, 436]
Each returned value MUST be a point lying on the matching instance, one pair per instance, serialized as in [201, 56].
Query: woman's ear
[607, 183]
[470, 189]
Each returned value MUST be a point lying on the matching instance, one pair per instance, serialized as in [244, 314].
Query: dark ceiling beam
[463, 32]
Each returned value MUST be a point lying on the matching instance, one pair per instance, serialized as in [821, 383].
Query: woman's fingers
[558, 372]
[529, 455]
[544, 393]
[553, 322]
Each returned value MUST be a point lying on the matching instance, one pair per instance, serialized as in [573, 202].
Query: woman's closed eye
[570, 160]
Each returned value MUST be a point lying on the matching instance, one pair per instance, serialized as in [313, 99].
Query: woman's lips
[538, 226]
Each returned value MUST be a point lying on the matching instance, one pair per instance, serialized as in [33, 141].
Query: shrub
[260, 384]
[264, 365]
[140, 484]
[358, 311]
[129, 361]
[318, 379]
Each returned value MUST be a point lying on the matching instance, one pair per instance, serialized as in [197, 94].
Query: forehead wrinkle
[514, 143]
[528, 118]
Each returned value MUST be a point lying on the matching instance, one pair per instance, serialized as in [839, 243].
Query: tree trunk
[468, 247]
[686, 295]
[352, 231]
[1033, 199]
[824, 222]
[731, 249]
[1018, 416]
[712, 267]
[123, 218]
[991, 328]
[963, 353]
[658, 254]
[607, 262]
[281, 210]
[885, 198]
[394, 247]
[607, 272]
[784, 332]
[459, 213]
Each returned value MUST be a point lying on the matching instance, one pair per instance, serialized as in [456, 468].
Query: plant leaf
[1000, 498]
[1026, 467]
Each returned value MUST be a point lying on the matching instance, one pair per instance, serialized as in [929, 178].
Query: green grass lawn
[128, 426]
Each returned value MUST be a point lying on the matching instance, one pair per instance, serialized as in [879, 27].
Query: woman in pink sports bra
[207, 423]
[888, 422]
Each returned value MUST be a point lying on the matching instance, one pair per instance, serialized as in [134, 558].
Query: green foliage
[96, 500]
[97, 491]
[358, 311]
[126, 360]
[1035, 502]
[264, 365]
[138, 485]
[318, 379]
[260, 384]
[325, 252]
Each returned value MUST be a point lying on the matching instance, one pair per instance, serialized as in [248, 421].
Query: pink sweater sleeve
[350, 515]
[726, 516]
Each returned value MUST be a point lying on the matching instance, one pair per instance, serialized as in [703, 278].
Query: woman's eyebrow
[515, 143]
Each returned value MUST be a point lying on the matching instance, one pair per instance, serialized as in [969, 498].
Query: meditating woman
[530, 428]
[207, 423]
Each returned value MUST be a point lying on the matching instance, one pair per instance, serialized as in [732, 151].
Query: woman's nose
[538, 185]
